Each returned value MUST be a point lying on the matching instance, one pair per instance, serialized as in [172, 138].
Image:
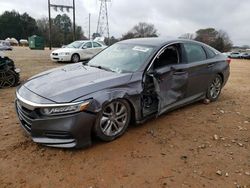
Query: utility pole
[61, 7]
[50, 43]
[89, 26]
[103, 23]
[74, 21]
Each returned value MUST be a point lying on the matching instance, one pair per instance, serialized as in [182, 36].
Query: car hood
[65, 50]
[65, 84]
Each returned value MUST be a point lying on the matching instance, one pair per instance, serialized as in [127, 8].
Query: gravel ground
[196, 146]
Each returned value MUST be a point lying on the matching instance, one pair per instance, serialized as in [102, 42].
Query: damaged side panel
[170, 86]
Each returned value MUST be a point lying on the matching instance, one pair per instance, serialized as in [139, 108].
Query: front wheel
[113, 120]
[75, 58]
[214, 89]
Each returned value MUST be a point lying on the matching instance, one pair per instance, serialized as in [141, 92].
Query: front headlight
[64, 109]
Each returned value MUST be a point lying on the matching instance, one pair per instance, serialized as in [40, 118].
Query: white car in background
[235, 55]
[77, 51]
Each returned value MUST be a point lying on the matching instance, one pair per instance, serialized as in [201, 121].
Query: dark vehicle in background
[245, 56]
[5, 45]
[9, 74]
[132, 80]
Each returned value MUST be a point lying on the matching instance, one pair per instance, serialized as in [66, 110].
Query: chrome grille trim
[32, 106]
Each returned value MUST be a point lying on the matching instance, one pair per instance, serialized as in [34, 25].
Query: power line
[61, 7]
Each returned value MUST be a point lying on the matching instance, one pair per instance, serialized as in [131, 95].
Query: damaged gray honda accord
[132, 80]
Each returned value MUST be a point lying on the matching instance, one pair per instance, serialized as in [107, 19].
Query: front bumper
[60, 57]
[65, 131]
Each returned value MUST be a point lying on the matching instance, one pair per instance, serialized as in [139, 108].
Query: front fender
[101, 98]
[131, 92]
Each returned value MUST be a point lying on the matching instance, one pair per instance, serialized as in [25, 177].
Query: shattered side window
[170, 56]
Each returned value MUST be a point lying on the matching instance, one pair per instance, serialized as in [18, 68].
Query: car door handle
[210, 65]
[179, 72]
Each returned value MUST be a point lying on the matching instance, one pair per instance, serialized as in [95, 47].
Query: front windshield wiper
[101, 67]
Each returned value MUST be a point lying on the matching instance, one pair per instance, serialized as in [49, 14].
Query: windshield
[122, 57]
[75, 44]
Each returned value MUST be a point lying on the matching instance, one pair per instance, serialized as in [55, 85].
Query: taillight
[228, 60]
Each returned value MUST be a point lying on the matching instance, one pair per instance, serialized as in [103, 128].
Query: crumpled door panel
[170, 87]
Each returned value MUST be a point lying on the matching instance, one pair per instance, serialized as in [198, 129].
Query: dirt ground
[196, 146]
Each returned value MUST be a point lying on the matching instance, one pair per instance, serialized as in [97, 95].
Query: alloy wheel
[215, 88]
[114, 118]
[7, 79]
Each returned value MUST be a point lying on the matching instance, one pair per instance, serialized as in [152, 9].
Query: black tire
[108, 131]
[75, 58]
[214, 90]
[8, 78]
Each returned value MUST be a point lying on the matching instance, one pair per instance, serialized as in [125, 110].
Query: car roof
[156, 41]
[159, 42]
[82, 41]
[86, 41]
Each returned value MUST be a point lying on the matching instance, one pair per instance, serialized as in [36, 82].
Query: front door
[170, 77]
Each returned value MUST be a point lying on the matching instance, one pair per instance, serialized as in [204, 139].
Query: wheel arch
[130, 103]
[222, 77]
[75, 53]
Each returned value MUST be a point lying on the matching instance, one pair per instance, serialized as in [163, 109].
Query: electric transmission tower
[103, 22]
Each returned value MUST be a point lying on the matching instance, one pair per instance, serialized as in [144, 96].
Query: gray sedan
[132, 80]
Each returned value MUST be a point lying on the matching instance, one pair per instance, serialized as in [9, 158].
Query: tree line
[22, 26]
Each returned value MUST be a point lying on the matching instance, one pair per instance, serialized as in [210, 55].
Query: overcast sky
[171, 17]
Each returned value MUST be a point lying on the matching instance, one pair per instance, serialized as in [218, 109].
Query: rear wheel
[75, 58]
[113, 120]
[214, 89]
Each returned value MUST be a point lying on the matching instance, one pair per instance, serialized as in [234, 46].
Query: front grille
[58, 134]
[25, 117]
[55, 54]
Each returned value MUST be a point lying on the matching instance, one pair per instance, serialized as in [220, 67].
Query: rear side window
[194, 52]
[210, 53]
[96, 45]
[88, 45]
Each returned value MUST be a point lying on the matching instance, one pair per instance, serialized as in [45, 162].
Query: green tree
[61, 30]
[12, 24]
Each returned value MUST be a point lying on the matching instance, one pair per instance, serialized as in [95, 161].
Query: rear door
[199, 69]
[86, 51]
[97, 47]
